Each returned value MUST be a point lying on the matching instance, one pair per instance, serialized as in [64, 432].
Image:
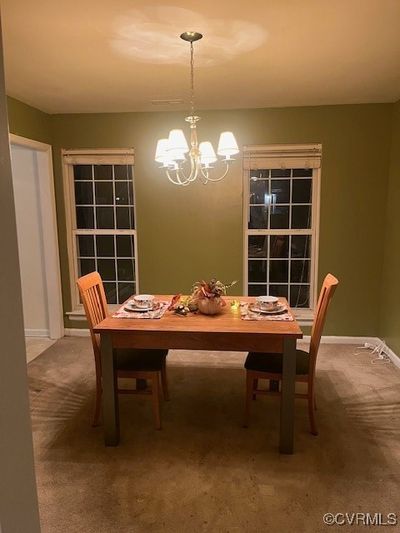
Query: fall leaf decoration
[174, 301]
[210, 289]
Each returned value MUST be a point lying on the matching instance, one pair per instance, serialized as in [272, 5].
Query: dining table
[226, 331]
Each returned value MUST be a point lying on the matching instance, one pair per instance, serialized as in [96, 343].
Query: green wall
[29, 122]
[196, 231]
[390, 316]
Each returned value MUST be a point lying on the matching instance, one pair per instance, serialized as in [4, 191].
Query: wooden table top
[227, 322]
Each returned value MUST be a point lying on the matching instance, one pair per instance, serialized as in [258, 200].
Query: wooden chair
[130, 363]
[269, 366]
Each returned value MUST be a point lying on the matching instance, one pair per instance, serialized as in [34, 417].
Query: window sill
[305, 317]
[78, 314]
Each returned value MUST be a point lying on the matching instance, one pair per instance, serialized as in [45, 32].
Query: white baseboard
[37, 333]
[77, 332]
[392, 356]
[337, 339]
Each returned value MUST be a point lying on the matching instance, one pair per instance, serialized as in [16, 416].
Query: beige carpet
[203, 472]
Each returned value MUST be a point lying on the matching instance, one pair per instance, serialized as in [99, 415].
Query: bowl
[267, 303]
[144, 300]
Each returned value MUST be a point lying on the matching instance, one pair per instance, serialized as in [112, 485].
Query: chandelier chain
[191, 78]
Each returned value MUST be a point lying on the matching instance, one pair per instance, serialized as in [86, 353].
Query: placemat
[155, 313]
[246, 314]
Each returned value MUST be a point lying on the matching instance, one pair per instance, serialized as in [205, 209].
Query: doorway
[32, 173]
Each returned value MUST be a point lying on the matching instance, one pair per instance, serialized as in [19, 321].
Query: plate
[279, 309]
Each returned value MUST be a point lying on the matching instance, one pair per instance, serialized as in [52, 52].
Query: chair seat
[135, 360]
[272, 362]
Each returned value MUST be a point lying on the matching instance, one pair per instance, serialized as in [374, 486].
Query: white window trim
[280, 155]
[89, 156]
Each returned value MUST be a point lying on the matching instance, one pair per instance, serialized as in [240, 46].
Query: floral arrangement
[206, 296]
[210, 289]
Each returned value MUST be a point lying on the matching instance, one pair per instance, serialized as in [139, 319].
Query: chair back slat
[325, 296]
[94, 302]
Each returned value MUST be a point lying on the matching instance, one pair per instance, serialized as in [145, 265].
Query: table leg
[288, 396]
[110, 392]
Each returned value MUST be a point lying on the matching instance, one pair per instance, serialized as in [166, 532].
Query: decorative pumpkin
[210, 306]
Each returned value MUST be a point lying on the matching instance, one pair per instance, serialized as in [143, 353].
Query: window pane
[257, 290]
[302, 172]
[301, 216]
[105, 217]
[280, 173]
[86, 266]
[82, 172]
[106, 269]
[279, 246]
[103, 172]
[104, 193]
[105, 245]
[124, 193]
[125, 218]
[278, 271]
[281, 190]
[258, 271]
[279, 290]
[302, 191]
[123, 172]
[125, 246]
[258, 217]
[85, 246]
[84, 218]
[125, 270]
[83, 193]
[125, 291]
[300, 271]
[258, 246]
[300, 296]
[259, 190]
[301, 246]
[280, 217]
[111, 292]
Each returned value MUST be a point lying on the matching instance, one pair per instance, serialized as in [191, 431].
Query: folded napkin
[157, 312]
[247, 314]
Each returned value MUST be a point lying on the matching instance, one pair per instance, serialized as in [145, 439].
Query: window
[281, 209]
[101, 215]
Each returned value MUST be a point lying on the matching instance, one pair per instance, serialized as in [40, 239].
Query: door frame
[49, 226]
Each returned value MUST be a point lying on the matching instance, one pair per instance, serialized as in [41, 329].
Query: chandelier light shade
[185, 162]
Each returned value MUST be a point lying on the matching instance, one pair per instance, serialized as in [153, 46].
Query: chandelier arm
[204, 175]
[221, 177]
[178, 181]
[192, 174]
[181, 177]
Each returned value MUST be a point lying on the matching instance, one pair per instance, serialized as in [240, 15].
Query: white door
[30, 240]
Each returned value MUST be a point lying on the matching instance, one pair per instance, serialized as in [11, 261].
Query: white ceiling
[66, 56]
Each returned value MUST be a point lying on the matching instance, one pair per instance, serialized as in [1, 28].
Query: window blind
[282, 156]
[99, 157]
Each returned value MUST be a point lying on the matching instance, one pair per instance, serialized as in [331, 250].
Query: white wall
[30, 240]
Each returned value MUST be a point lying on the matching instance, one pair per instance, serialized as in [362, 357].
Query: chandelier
[184, 164]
